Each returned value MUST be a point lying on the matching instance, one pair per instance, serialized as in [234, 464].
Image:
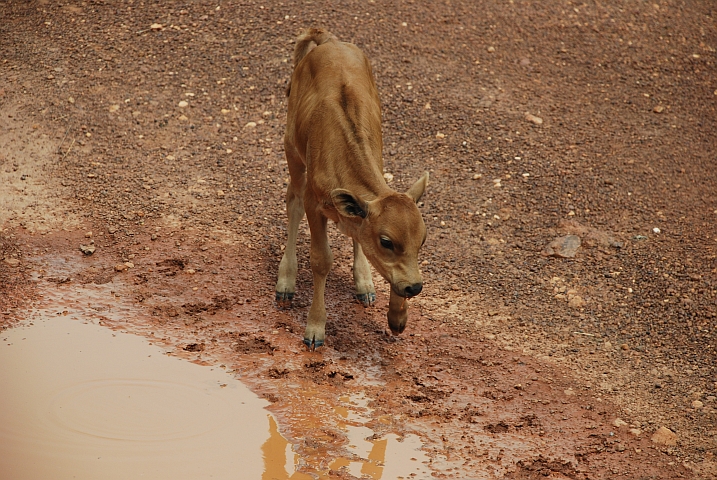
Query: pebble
[183, 103]
[697, 404]
[114, 108]
[656, 230]
[477, 176]
[569, 392]
[490, 336]
[13, 262]
[533, 119]
[129, 264]
[87, 249]
[388, 176]
[183, 118]
[635, 432]
[111, 230]
[576, 301]
[191, 271]
[607, 346]
[440, 135]
[156, 26]
[250, 125]
[563, 247]
[121, 267]
[491, 49]
[625, 346]
[619, 423]
[664, 436]
[220, 193]
[658, 109]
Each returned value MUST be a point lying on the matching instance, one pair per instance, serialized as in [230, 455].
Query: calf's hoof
[367, 299]
[313, 344]
[397, 321]
[284, 298]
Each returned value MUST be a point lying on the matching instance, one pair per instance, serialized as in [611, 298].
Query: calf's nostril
[413, 290]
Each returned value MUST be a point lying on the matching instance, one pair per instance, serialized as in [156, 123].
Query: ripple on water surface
[81, 401]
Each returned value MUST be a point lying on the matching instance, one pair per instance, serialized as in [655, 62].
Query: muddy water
[79, 400]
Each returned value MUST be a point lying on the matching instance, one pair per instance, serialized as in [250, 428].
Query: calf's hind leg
[365, 291]
[286, 281]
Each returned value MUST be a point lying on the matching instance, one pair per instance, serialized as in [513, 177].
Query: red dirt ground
[515, 363]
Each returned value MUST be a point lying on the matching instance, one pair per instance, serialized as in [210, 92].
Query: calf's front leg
[321, 260]
[397, 313]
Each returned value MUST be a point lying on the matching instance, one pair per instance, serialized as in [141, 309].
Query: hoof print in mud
[194, 347]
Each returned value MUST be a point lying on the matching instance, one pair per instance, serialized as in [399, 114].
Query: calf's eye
[386, 243]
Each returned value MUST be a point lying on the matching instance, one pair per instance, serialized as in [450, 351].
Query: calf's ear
[417, 189]
[348, 204]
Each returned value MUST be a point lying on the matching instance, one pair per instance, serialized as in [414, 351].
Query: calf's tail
[307, 41]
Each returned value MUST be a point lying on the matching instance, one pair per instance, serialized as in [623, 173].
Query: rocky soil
[569, 315]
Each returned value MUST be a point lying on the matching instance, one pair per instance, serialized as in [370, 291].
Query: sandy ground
[536, 122]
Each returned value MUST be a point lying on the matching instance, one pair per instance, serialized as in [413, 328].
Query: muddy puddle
[81, 400]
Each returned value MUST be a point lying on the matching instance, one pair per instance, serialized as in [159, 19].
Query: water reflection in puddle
[81, 401]
[376, 458]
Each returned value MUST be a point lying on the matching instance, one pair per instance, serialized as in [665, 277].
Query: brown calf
[334, 146]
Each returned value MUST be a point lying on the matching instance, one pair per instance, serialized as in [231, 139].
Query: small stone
[658, 109]
[225, 111]
[388, 176]
[88, 234]
[619, 423]
[440, 135]
[636, 432]
[13, 262]
[191, 271]
[533, 119]
[156, 26]
[477, 176]
[129, 264]
[182, 104]
[563, 247]
[656, 230]
[121, 267]
[111, 230]
[607, 346]
[697, 404]
[114, 108]
[71, 100]
[250, 125]
[625, 346]
[569, 392]
[491, 49]
[153, 237]
[183, 118]
[620, 447]
[220, 193]
[87, 249]
[576, 301]
[664, 436]
[489, 336]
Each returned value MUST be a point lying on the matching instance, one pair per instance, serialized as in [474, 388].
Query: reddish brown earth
[514, 364]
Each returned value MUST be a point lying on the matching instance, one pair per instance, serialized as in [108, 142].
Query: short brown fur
[333, 147]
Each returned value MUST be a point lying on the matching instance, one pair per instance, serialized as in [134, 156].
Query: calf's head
[391, 231]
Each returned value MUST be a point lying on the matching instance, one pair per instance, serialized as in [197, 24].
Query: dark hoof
[367, 299]
[397, 331]
[284, 298]
[313, 345]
